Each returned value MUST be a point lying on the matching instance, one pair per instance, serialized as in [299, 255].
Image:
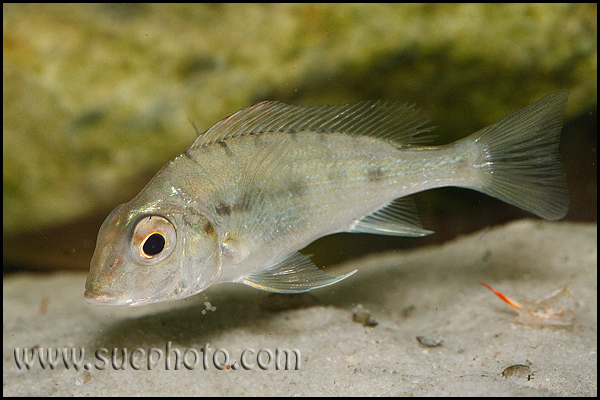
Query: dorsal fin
[399, 123]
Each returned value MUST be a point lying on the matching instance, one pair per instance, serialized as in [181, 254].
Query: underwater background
[97, 98]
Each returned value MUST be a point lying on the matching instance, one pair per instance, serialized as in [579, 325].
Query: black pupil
[154, 244]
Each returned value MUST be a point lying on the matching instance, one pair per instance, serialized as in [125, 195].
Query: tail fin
[522, 161]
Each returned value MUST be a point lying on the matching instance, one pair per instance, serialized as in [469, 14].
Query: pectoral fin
[295, 274]
[399, 218]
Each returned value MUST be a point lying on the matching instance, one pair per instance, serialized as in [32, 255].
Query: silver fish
[270, 179]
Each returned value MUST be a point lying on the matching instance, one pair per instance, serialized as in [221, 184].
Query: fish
[252, 191]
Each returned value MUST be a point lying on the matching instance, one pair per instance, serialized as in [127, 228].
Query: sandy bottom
[431, 293]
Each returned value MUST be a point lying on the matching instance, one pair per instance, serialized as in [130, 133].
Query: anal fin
[398, 218]
[295, 274]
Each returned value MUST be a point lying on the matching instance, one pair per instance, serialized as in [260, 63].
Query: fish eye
[154, 239]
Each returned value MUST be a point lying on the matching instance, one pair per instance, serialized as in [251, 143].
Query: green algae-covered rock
[98, 97]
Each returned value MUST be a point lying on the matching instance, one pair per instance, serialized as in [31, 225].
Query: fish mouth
[106, 294]
[98, 297]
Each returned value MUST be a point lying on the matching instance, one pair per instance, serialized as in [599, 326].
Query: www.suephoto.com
[171, 357]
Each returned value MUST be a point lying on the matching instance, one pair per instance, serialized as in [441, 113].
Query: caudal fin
[521, 164]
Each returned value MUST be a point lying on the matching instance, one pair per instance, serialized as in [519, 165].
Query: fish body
[257, 187]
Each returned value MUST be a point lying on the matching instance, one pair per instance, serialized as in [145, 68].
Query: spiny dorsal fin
[295, 274]
[399, 123]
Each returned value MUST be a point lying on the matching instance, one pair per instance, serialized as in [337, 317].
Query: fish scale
[260, 185]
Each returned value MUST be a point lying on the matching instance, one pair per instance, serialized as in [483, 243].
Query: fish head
[151, 253]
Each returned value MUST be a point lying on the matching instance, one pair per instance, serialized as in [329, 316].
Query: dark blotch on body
[223, 209]
[209, 229]
[224, 145]
[297, 188]
[375, 174]
[243, 204]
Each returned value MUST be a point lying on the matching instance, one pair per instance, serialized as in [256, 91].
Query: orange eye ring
[153, 240]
